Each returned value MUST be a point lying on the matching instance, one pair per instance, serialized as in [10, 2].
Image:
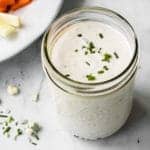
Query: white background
[25, 70]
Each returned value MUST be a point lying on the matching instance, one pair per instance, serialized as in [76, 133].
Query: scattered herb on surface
[83, 47]
[8, 123]
[99, 51]
[76, 50]
[87, 63]
[100, 72]
[9, 119]
[90, 77]
[116, 55]
[101, 35]
[19, 133]
[31, 141]
[107, 57]
[6, 130]
[3, 116]
[79, 35]
[86, 52]
[34, 129]
[35, 136]
[106, 68]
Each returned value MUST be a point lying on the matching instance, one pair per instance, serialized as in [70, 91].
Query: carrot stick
[5, 3]
[19, 4]
[3, 9]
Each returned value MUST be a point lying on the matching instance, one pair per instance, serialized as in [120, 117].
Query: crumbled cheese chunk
[33, 129]
[29, 131]
[13, 90]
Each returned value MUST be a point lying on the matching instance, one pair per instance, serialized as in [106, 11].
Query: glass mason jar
[91, 110]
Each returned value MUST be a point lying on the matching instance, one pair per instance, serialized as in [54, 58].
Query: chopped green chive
[106, 68]
[116, 55]
[31, 141]
[100, 72]
[3, 116]
[76, 50]
[90, 47]
[79, 35]
[83, 47]
[87, 63]
[7, 126]
[19, 133]
[86, 52]
[6, 130]
[101, 35]
[34, 134]
[35, 127]
[107, 57]
[10, 119]
[91, 77]
[99, 51]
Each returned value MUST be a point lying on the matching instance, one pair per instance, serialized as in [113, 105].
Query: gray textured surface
[25, 70]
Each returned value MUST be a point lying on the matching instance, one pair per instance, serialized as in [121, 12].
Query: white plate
[35, 17]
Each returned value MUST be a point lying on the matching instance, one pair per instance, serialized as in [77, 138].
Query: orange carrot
[19, 4]
[5, 3]
[3, 9]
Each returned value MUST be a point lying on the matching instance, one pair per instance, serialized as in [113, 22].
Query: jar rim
[98, 10]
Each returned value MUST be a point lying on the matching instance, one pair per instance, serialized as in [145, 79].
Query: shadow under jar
[97, 109]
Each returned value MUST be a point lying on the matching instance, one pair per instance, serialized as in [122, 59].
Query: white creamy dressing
[78, 65]
[100, 116]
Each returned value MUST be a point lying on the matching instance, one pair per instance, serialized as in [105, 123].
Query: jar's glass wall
[91, 110]
[93, 117]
